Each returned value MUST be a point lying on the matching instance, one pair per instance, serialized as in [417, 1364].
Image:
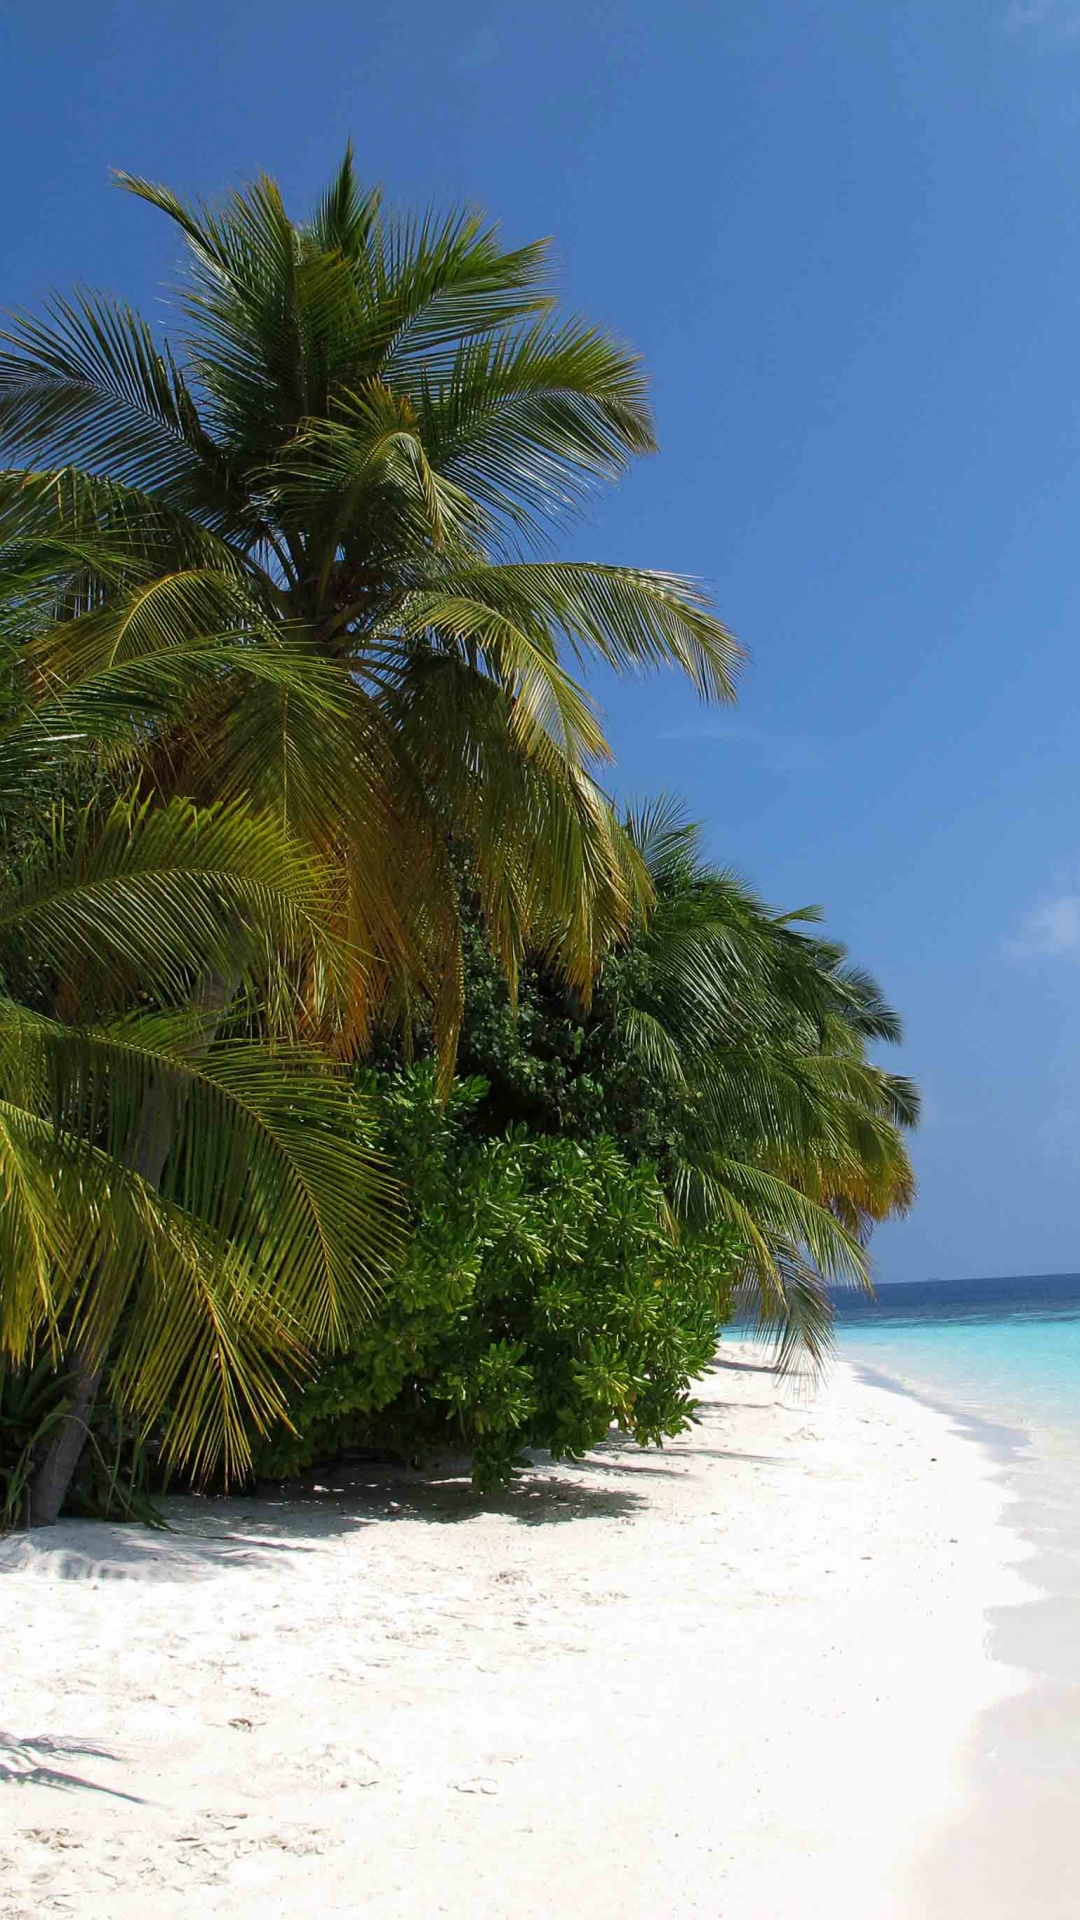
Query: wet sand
[1014, 1852]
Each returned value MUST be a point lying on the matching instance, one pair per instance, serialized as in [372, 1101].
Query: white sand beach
[734, 1678]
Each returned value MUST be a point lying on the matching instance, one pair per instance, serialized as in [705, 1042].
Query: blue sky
[846, 237]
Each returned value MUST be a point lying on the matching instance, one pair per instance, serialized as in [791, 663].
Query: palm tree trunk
[150, 1146]
[149, 1150]
[56, 1469]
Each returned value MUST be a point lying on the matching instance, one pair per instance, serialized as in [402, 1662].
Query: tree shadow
[29, 1762]
[622, 1454]
[202, 1538]
[737, 1453]
[443, 1494]
[643, 1466]
[207, 1537]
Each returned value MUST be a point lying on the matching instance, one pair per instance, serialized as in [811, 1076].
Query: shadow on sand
[212, 1537]
[442, 1494]
[208, 1537]
[31, 1762]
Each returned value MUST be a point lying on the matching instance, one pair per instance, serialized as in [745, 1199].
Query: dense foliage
[728, 1047]
[183, 1206]
[296, 774]
[272, 577]
[545, 1293]
[293, 556]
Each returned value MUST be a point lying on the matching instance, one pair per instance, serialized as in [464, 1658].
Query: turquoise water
[1007, 1351]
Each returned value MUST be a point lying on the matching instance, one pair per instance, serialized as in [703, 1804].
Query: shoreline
[1012, 1851]
[743, 1675]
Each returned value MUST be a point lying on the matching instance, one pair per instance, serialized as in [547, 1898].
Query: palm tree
[294, 569]
[296, 565]
[345, 476]
[728, 1045]
[186, 1209]
[758, 1032]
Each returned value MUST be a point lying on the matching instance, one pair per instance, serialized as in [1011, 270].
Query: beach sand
[734, 1678]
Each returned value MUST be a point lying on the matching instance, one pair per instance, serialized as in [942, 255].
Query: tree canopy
[299, 771]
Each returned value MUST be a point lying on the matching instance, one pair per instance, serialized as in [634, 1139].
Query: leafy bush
[545, 1293]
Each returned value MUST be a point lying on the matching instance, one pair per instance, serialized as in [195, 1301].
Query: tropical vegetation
[301, 812]
[542, 1298]
[727, 1045]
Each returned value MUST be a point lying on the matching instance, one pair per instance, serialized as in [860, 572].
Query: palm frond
[162, 896]
[621, 615]
[87, 383]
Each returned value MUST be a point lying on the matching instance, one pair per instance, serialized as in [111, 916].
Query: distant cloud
[1052, 928]
[1058, 19]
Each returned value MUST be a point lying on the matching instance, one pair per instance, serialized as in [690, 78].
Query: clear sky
[846, 237]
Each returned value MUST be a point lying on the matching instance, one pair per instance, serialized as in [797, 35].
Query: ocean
[1004, 1351]
[1003, 1357]
[1004, 1360]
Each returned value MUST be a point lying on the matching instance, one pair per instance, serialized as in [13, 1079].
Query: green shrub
[545, 1294]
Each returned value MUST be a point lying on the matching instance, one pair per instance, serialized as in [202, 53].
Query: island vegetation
[367, 1077]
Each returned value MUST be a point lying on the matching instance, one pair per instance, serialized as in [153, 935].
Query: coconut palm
[347, 471]
[296, 565]
[728, 1045]
[757, 1030]
[185, 1208]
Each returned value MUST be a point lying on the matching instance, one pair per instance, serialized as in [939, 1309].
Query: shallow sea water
[1006, 1350]
[1004, 1357]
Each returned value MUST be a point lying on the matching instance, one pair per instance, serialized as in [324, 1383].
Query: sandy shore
[732, 1679]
